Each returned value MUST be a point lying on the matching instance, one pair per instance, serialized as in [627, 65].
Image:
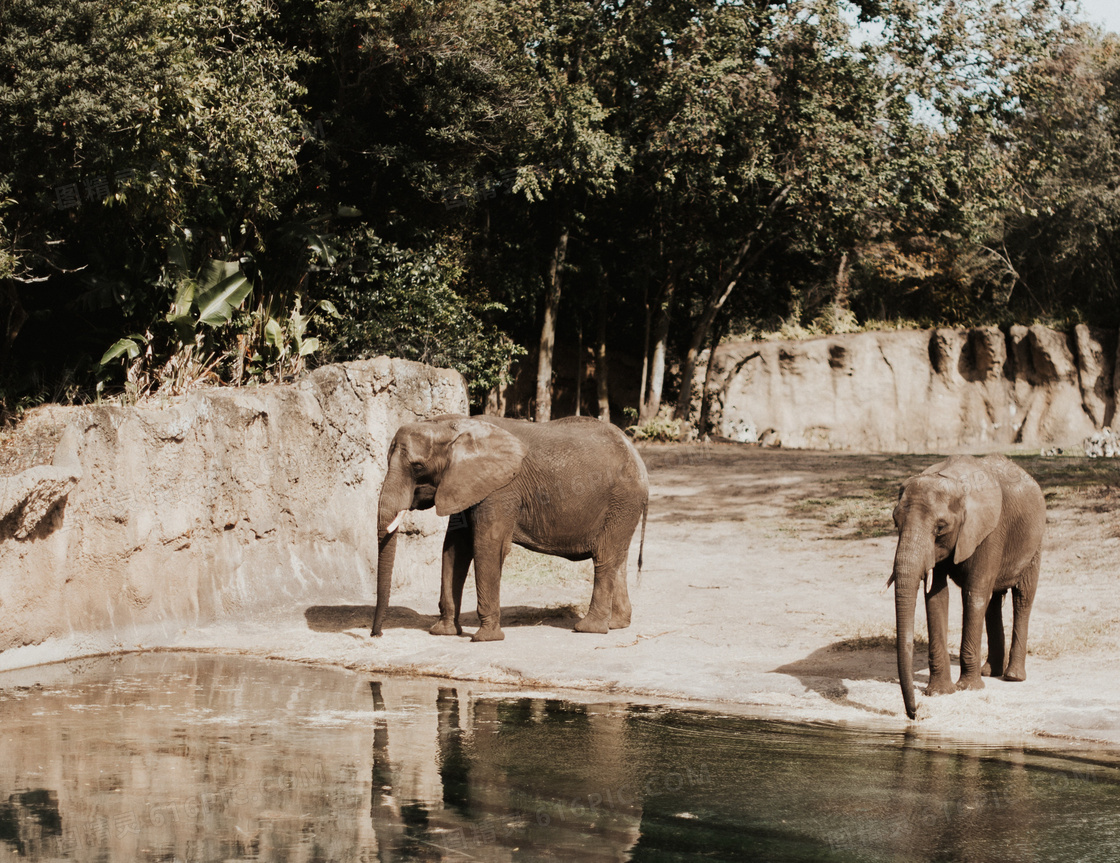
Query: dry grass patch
[1079, 637]
[524, 567]
[876, 635]
[860, 514]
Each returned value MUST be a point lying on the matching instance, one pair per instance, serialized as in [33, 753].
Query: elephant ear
[982, 501]
[482, 459]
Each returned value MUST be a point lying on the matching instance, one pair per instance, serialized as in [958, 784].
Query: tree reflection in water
[197, 758]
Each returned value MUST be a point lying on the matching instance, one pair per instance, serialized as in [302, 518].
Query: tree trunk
[722, 289]
[706, 399]
[601, 353]
[548, 328]
[645, 347]
[579, 370]
[651, 402]
[699, 334]
[843, 282]
[15, 316]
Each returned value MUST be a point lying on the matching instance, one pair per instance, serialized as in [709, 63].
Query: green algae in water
[196, 758]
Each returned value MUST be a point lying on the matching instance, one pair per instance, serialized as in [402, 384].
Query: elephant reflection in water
[482, 789]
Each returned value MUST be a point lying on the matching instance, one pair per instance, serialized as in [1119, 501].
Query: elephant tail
[642, 541]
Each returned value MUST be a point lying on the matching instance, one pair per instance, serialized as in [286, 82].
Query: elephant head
[947, 510]
[450, 463]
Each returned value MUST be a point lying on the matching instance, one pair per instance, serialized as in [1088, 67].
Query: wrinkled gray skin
[574, 488]
[979, 522]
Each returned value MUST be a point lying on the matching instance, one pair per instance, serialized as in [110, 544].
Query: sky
[1103, 12]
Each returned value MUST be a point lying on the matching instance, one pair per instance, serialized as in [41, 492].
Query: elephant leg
[489, 554]
[610, 600]
[1022, 598]
[620, 599]
[993, 620]
[598, 617]
[976, 603]
[937, 625]
[458, 549]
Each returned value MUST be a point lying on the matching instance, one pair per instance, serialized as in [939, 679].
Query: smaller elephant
[979, 522]
[573, 488]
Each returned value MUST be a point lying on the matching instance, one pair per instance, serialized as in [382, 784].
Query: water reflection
[198, 758]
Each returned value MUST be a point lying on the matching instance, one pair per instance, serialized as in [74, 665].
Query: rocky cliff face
[920, 391]
[220, 504]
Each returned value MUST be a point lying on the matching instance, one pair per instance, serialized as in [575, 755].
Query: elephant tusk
[395, 523]
[925, 580]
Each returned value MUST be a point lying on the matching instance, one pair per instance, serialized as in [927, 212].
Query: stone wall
[919, 391]
[219, 504]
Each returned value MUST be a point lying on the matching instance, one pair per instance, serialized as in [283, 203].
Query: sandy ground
[763, 593]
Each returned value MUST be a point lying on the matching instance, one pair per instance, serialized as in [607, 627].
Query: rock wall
[219, 504]
[919, 391]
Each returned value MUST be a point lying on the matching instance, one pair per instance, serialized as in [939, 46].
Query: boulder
[943, 390]
[219, 504]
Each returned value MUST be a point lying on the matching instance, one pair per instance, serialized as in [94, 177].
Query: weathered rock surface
[223, 503]
[919, 391]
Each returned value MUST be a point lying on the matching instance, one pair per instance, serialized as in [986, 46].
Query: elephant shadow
[824, 670]
[340, 618]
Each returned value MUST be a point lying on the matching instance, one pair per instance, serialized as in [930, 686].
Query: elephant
[573, 487]
[978, 521]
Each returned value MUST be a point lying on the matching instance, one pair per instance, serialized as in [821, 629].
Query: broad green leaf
[184, 299]
[216, 306]
[274, 334]
[125, 346]
[176, 254]
[329, 307]
[214, 272]
[308, 346]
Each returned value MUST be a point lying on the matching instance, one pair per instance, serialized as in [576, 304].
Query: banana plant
[287, 340]
[209, 299]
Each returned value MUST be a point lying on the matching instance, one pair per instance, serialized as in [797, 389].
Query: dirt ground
[763, 593]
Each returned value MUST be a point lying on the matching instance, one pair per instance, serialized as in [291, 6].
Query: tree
[131, 129]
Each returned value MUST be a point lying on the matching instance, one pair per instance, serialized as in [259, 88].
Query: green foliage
[660, 429]
[285, 344]
[402, 170]
[403, 303]
[202, 305]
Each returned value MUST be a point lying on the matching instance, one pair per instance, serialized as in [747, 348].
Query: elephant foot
[970, 682]
[588, 624]
[991, 669]
[1017, 675]
[619, 622]
[446, 627]
[940, 686]
[489, 634]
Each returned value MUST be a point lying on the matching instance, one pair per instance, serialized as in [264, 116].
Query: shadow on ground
[824, 670]
[339, 618]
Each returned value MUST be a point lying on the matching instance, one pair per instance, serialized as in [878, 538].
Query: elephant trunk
[909, 567]
[395, 499]
[386, 555]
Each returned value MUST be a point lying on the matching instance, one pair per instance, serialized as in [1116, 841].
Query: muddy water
[197, 758]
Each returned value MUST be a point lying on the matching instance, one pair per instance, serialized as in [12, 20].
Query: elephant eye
[941, 525]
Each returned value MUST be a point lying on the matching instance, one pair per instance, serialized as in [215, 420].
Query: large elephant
[574, 488]
[978, 521]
